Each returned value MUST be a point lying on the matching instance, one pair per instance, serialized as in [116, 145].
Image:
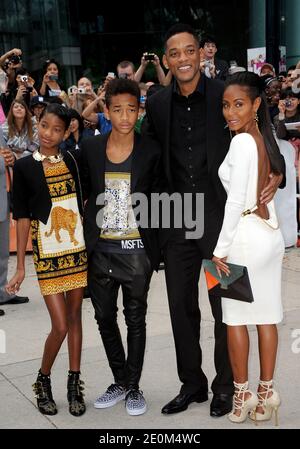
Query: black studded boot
[43, 393]
[75, 394]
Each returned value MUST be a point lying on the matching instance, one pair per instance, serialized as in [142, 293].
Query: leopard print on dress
[63, 219]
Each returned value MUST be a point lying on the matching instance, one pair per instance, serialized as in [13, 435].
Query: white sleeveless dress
[249, 240]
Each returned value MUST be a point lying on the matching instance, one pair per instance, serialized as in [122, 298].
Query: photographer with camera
[9, 62]
[209, 64]
[126, 70]
[9, 56]
[85, 87]
[51, 85]
[79, 94]
[289, 112]
[152, 58]
[24, 86]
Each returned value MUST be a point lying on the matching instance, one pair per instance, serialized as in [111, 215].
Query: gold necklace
[53, 159]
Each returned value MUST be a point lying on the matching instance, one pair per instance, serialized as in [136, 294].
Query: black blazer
[159, 108]
[31, 197]
[221, 69]
[144, 179]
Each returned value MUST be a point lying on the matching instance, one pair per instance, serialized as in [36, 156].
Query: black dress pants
[183, 259]
[107, 272]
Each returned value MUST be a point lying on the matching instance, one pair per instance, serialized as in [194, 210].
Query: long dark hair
[254, 85]
[74, 114]
[27, 122]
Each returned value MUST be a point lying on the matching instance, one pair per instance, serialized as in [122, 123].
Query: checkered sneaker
[135, 403]
[112, 396]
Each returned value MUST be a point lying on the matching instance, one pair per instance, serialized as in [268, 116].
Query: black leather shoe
[182, 401]
[221, 404]
[2, 312]
[17, 300]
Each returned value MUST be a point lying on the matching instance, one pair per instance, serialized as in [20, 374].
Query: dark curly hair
[119, 86]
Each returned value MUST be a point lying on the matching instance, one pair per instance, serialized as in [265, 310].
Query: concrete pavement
[26, 327]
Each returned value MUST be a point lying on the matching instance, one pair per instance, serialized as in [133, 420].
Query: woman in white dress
[252, 239]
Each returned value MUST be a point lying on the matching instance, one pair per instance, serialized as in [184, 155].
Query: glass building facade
[91, 38]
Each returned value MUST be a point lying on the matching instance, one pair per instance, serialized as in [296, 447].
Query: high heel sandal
[242, 404]
[267, 403]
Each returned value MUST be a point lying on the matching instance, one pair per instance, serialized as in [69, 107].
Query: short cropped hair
[119, 86]
[207, 40]
[180, 28]
[124, 64]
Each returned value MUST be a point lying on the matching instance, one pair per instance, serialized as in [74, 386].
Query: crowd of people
[204, 127]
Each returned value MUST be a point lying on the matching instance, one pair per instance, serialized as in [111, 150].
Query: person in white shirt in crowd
[19, 130]
[212, 66]
[285, 199]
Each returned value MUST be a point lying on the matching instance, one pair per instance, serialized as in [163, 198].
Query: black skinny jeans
[107, 272]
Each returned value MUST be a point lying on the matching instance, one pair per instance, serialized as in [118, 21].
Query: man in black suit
[121, 252]
[186, 118]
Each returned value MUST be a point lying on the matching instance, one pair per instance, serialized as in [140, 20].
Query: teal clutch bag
[235, 286]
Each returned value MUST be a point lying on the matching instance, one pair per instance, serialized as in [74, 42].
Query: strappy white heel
[242, 404]
[266, 402]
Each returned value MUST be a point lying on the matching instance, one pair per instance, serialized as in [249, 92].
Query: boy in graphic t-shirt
[121, 252]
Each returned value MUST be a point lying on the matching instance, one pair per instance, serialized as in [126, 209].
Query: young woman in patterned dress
[48, 200]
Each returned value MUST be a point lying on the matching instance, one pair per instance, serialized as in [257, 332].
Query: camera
[288, 103]
[111, 75]
[24, 78]
[72, 90]
[149, 56]
[53, 77]
[15, 59]
[81, 90]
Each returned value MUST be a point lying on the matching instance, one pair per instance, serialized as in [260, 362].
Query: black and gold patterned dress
[59, 253]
